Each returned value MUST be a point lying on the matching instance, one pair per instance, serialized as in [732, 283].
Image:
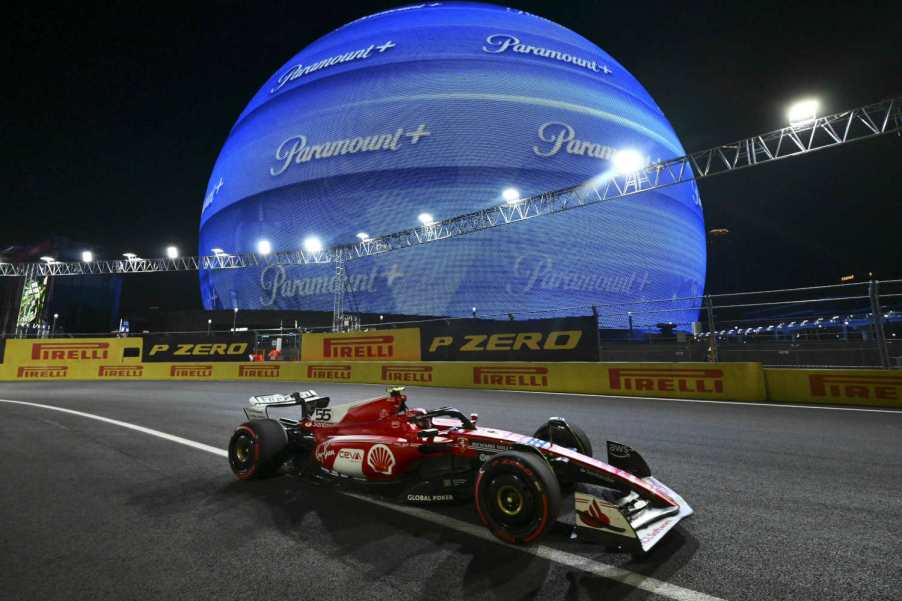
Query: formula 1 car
[440, 456]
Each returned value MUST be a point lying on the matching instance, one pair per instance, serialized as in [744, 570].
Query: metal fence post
[877, 315]
[597, 332]
[712, 330]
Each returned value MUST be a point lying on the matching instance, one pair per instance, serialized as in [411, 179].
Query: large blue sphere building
[438, 109]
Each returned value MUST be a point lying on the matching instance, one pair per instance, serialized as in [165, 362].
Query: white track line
[116, 422]
[571, 560]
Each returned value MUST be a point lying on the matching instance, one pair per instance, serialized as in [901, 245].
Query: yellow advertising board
[56, 351]
[343, 359]
[732, 381]
[383, 345]
[869, 387]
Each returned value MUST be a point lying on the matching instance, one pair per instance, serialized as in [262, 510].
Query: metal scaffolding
[829, 131]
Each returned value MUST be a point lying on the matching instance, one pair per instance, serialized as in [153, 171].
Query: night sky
[115, 114]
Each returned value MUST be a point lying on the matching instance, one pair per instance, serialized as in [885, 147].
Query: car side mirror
[428, 433]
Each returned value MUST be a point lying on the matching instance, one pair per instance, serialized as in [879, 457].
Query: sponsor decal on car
[359, 347]
[592, 512]
[120, 371]
[381, 459]
[329, 372]
[349, 462]
[884, 388]
[429, 498]
[33, 372]
[619, 450]
[323, 452]
[407, 373]
[191, 371]
[532, 377]
[78, 351]
[488, 447]
[258, 371]
[594, 517]
[660, 379]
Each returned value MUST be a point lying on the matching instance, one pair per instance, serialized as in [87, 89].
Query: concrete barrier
[120, 359]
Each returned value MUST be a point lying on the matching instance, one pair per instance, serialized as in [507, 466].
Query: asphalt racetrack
[791, 503]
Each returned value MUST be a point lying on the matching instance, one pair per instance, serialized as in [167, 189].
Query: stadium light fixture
[87, 256]
[803, 112]
[217, 252]
[312, 244]
[130, 256]
[627, 161]
[510, 195]
[425, 218]
[172, 252]
[48, 259]
[363, 236]
[264, 247]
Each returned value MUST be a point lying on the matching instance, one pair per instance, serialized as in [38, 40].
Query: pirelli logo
[700, 380]
[77, 351]
[191, 371]
[34, 372]
[530, 377]
[329, 372]
[407, 373]
[258, 371]
[120, 371]
[883, 388]
[359, 347]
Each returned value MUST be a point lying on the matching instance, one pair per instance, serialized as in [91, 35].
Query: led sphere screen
[443, 109]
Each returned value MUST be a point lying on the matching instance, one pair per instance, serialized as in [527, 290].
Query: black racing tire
[257, 449]
[517, 497]
[574, 438]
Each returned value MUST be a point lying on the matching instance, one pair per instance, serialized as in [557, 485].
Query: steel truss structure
[829, 131]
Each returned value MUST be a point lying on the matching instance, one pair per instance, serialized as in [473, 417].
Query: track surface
[791, 504]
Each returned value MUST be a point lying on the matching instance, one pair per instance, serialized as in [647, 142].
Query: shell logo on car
[380, 459]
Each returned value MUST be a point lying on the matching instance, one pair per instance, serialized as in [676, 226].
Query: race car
[424, 457]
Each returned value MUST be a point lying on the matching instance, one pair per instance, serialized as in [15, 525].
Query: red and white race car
[516, 482]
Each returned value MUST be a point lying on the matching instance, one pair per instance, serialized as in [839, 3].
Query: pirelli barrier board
[171, 348]
[41, 351]
[564, 339]
[869, 387]
[735, 381]
[402, 344]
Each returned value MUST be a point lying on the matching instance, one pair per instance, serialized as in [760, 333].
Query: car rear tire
[517, 497]
[257, 449]
[573, 437]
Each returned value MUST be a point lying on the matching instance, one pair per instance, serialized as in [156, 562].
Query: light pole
[209, 326]
[53, 328]
[235, 319]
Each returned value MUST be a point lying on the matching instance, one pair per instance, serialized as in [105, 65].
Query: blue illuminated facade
[438, 109]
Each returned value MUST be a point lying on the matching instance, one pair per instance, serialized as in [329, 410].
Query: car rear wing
[307, 400]
[629, 522]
